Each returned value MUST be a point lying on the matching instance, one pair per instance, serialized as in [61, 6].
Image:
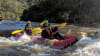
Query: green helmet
[45, 21]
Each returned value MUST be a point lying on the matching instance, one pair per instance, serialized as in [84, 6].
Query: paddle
[36, 30]
[20, 30]
[62, 25]
[16, 31]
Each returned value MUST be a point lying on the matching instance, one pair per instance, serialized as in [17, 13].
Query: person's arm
[48, 30]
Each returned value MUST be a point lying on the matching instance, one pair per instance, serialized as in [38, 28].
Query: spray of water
[12, 47]
[85, 47]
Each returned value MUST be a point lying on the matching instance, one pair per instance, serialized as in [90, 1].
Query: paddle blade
[36, 30]
[63, 25]
[16, 31]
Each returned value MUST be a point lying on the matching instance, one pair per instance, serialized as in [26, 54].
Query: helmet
[28, 22]
[43, 22]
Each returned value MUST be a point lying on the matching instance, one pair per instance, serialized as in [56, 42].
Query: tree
[52, 10]
[12, 9]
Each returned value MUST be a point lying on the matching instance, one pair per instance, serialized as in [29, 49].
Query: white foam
[86, 46]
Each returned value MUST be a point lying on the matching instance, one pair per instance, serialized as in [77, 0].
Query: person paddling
[28, 28]
[49, 32]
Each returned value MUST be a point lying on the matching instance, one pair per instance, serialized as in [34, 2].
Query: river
[87, 46]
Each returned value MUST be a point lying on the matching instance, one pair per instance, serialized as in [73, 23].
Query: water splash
[85, 47]
[10, 47]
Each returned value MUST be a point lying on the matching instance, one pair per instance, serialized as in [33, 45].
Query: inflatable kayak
[57, 43]
[68, 41]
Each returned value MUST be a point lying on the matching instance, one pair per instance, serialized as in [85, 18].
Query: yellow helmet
[28, 22]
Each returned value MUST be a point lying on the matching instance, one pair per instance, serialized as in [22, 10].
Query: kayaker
[47, 32]
[19, 33]
[51, 33]
[28, 28]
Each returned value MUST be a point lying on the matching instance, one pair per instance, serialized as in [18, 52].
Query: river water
[85, 47]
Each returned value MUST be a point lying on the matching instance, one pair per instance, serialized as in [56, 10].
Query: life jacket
[46, 33]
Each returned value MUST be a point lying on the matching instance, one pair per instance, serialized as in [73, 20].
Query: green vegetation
[12, 9]
[73, 11]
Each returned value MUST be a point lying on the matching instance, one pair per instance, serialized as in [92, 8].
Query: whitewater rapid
[85, 47]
